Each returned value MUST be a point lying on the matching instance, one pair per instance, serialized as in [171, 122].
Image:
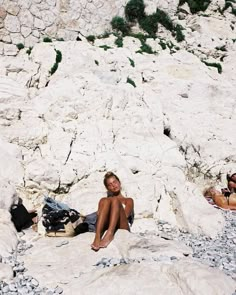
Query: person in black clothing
[21, 217]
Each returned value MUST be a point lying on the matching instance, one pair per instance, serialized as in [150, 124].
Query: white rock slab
[78, 262]
[6, 272]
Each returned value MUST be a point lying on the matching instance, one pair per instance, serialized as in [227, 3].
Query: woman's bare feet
[96, 244]
[106, 240]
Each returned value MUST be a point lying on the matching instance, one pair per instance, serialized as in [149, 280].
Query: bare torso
[223, 201]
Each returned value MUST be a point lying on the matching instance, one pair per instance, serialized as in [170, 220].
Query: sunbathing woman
[232, 182]
[113, 213]
[225, 201]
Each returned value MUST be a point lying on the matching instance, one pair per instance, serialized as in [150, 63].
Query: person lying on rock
[114, 212]
[232, 182]
[225, 201]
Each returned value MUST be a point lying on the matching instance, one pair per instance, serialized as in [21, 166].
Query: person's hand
[32, 211]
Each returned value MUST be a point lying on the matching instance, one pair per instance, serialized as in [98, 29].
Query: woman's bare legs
[117, 220]
[111, 216]
[102, 221]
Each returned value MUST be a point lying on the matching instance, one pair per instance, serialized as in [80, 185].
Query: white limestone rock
[12, 23]
[25, 31]
[13, 9]
[26, 18]
[6, 272]
[10, 49]
[155, 270]
[8, 234]
[8, 195]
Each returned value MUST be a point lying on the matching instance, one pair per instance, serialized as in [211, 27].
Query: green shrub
[179, 34]
[146, 48]
[130, 81]
[96, 62]
[215, 65]
[131, 62]
[47, 39]
[91, 38]
[142, 38]
[119, 24]
[20, 46]
[164, 19]
[28, 51]
[196, 5]
[105, 47]
[134, 10]
[58, 56]
[162, 44]
[104, 35]
[60, 39]
[53, 68]
[119, 42]
[170, 44]
[149, 24]
[56, 64]
[228, 3]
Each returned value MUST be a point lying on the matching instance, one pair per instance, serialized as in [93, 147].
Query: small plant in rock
[131, 62]
[58, 56]
[119, 42]
[105, 47]
[96, 62]
[179, 34]
[228, 3]
[163, 44]
[142, 38]
[47, 39]
[164, 19]
[149, 24]
[53, 69]
[91, 38]
[215, 65]
[28, 51]
[58, 60]
[130, 81]
[60, 39]
[134, 10]
[146, 48]
[104, 35]
[196, 5]
[120, 25]
[20, 46]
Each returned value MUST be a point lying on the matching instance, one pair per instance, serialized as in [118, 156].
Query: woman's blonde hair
[208, 191]
[108, 175]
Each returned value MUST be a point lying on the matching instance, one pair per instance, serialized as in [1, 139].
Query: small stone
[5, 289]
[12, 287]
[34, 282]
[59, 290]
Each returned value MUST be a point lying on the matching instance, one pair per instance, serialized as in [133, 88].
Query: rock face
[72, 145]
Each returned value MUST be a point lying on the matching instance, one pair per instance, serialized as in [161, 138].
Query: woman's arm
[129, 206]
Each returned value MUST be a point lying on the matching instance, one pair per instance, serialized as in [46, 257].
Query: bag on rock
[60, 222]
[21, 218]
